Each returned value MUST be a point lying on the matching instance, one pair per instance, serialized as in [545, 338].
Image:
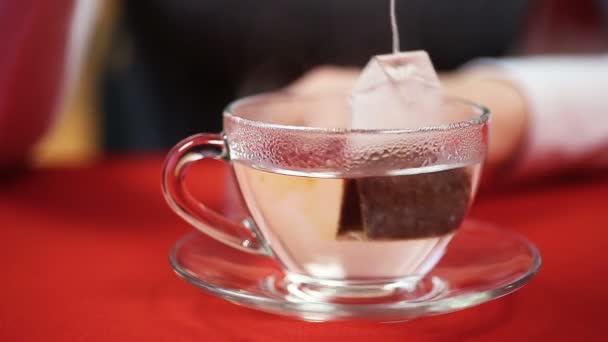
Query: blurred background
[144, 74]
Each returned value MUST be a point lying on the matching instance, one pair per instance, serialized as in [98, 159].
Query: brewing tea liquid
[367, 227]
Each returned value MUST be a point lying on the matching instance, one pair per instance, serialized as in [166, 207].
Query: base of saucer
[481, 263]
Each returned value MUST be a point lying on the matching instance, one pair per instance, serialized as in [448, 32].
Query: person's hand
[325, 79]
[490, 88]
[487, 87]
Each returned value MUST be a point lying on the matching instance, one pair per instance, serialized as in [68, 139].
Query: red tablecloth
[85, 259]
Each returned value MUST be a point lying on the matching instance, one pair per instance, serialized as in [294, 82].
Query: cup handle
[243, 236]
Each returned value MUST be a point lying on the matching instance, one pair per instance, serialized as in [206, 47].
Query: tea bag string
[394, 28]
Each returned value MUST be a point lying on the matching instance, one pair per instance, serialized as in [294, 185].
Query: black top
[188, 59]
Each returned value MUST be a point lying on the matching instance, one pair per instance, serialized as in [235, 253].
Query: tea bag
[397, 91]
[402, 91]
[415, 206]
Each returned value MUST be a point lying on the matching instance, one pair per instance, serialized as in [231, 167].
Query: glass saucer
[481, 263]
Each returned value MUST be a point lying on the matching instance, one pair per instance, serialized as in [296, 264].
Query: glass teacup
[347, 213]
